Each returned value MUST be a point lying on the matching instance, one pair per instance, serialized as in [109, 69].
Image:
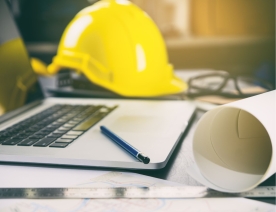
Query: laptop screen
[18, 82]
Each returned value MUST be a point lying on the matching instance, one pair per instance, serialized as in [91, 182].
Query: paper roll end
[232, 149]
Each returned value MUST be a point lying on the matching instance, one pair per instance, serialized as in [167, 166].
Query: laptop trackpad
[140, 124]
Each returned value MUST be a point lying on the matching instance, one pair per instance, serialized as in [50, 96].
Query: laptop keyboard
[56, 127]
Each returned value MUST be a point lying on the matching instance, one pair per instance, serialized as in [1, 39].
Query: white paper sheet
[234, 144]
[149, 205]
[28, 177]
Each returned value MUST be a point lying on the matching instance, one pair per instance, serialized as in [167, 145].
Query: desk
[182, 158]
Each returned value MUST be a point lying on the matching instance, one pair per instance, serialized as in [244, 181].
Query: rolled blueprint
[234, 145]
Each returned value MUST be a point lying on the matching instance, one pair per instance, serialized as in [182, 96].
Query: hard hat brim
[168, 86]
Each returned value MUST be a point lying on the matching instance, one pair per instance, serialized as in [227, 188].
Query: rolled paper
[234, 145]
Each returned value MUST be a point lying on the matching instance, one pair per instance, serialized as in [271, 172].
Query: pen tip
[146, 160]
[143, 158]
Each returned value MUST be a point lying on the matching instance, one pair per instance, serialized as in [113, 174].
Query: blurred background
[237, 36]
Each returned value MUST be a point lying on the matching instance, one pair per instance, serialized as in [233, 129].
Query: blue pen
[130, 149]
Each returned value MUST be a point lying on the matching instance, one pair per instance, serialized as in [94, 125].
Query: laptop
[66, 131]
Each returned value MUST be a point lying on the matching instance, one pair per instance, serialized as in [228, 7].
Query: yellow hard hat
[117, 46]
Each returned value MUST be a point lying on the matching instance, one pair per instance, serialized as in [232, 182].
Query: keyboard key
[50, 128]
[63, 140]
[104, 110]
[41, 132]
[12, 141]
[21, 136]
[59, 145]
[44, 130]
[4, 136]
[60, 131]
[37, 136]
[89, 122]
[54, 135]
[69, 125]
[74, 132]
[25, 133]
[65, 119]
[61, 121]
[65, 128]
[15, 130]
[73, 122]
[6, 133]
[32, 129]
[70, 136]
[35, 127]
[56, 125]
[77, 119]
[45, 142]
[27, 142]
[3, 139]
[82, 117]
